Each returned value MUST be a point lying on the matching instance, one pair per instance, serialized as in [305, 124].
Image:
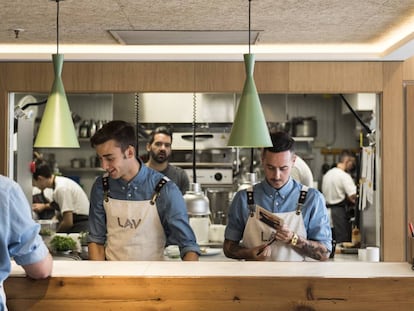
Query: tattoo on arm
[312, 249]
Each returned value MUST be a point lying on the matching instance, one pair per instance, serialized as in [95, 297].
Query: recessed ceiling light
[184, 37]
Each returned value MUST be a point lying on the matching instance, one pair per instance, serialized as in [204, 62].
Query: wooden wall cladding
[392, 138]
[336, 77]
[410, 166]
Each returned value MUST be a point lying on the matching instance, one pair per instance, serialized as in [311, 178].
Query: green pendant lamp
[249, 128]
[56, 128]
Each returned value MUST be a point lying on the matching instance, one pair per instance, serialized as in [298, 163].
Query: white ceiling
[289, 29]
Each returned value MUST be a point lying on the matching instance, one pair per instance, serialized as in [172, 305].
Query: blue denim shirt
[170, 205]
[19, 234]
[283, 200]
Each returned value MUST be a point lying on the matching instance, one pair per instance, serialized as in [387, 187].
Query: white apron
[134, 231]
[257, 233]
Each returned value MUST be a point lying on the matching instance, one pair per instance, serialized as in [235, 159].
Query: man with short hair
[68, 196]
[135, 211]
[159, 150]
[278, 219]
[339, 190]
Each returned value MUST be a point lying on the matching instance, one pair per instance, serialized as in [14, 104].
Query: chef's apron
[134, 230]
[257, 232]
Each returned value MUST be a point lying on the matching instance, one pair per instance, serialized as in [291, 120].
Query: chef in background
[70, 198]
[340, 190]
[302, 172]
[159, 151]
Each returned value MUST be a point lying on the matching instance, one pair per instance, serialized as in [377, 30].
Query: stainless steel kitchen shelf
[81, 169]
[304, 139]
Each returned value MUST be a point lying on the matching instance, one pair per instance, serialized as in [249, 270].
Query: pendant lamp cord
[57, 26]
[250, 2]
[136, 104]
[194, 137]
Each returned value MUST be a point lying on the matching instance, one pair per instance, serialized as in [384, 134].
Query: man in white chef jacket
[340, 191]
[278, 219]
[68, 195]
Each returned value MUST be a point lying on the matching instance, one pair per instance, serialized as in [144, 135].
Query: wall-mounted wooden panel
[409, 139]
[27, 77]
[272, 77]
[408, 73]
[129, 77]
[219, 76]
[393, 156]
[331, 77]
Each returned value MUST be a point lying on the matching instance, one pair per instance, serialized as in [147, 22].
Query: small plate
[207, 251]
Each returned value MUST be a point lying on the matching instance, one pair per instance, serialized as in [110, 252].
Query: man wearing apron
[340, 190]
[302, 231]
[135, 211]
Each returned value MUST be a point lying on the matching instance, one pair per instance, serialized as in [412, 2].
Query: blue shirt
[283, 200]
[170, 205]
[19, 234]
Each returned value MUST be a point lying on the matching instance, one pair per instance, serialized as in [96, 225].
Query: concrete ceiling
[289, 29]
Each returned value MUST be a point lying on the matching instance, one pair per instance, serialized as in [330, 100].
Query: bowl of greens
[62, 244]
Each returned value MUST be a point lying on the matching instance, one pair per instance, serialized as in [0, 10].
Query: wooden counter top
[231, 285]
[226, 269]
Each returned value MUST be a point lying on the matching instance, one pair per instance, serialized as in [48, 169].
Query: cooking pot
[77, 163]
[280, 127]
[304, 127]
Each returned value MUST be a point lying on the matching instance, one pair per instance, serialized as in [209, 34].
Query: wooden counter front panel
[210, 293]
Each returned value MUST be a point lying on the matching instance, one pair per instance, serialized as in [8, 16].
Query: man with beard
[159, 150]
[278, 219]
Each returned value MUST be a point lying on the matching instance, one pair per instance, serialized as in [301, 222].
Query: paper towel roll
[373, 254]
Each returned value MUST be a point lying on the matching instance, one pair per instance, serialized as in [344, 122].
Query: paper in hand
[268, 218]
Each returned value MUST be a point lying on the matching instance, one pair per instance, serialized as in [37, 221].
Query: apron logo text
[129, 223]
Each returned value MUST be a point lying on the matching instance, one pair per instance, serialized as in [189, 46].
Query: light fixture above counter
[56, 128]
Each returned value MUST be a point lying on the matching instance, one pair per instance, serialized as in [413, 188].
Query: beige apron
[134, 231]
[257, 233]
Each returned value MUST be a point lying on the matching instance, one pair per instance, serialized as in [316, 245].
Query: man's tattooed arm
[312, 249]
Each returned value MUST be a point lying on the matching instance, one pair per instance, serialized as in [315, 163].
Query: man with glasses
[159, 151]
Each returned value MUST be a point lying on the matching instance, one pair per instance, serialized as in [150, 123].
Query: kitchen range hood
[360, 102]
[178, 107]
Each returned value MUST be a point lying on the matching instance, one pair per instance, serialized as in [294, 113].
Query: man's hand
[39, 207]
[233, 250]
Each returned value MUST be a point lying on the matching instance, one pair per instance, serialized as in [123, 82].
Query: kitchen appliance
[216, 178]
[198, 209]
[304, 127]
[219, 204]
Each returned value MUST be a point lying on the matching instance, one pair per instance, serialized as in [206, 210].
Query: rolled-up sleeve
[97, 216]
[174, 218]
